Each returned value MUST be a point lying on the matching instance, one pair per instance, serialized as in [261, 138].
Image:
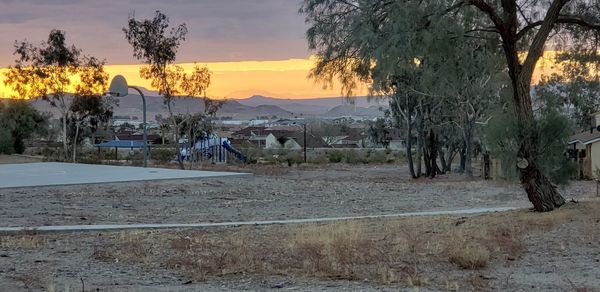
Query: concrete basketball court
[57, 174]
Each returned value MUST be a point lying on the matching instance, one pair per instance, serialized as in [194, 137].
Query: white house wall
[595, 157]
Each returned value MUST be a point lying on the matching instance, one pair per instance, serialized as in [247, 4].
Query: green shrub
[335, 156]
[291, 158]
[162, 155]
[378, 157]
[6, 141]
[89, 158]
[319, 158]
[353, 157]
[135, 158]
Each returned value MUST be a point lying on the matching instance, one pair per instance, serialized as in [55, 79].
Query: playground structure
[214, 149]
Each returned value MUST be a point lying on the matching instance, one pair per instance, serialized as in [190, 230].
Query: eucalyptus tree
[473, 80]
[342, 33]
[156, 44]
[524, 27]
[19, 121]
[55, 71]
[431, 72]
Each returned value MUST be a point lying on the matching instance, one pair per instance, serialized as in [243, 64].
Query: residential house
[584, 148]
[137, 136]
[258, 135]
[353, 138]
[293, 141]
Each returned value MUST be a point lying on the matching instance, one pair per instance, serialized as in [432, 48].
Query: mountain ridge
[247, 108]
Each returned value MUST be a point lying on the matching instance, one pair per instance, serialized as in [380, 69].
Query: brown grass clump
[507, 240]
[411, 252]
[334, 251]
[22, 241]
[471, 256]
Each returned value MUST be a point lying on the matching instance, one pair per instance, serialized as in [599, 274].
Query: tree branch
[489, 10]
[563, 19]
[537, 45]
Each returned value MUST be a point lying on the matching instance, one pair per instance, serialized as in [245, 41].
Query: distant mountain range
[249, 108]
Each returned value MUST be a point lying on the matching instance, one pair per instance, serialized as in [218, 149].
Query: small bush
[89, 158]
[318, 159]
[135, 157]
[162, 156]
[6, 142]
[291, 158]
[377, 157]
[470, 256]
[353, 157]
[335, 156]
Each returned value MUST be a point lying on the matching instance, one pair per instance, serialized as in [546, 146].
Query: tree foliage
[19, 121]
[376, 41]
[379, 132]
[55, 72]
[156, 43]
[438, 80]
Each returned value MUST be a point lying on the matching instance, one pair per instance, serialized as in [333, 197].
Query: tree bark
[175, 135]
[540, 191]
[463, 158]
[433, 167]
[75, 143]
[419, 149]
[468, 151]
[64, 137]
[450, 158]
[408, 145]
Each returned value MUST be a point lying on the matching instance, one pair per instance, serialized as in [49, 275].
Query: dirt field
[521, 250]
[11, 159]
[273, 193]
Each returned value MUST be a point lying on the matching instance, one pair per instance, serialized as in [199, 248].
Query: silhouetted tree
[53, 71]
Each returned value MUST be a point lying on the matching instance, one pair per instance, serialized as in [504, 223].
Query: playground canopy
[122, 144]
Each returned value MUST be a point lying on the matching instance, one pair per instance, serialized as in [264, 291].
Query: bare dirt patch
[13, 159]
[282, 193]
[517, 250]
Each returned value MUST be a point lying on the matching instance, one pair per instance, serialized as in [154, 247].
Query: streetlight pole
[119, 87]
[145, 125]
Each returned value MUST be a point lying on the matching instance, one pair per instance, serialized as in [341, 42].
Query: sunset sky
[252, 46]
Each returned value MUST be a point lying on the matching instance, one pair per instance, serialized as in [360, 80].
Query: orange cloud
[283, 79]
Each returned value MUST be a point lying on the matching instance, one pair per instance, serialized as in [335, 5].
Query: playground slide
[239, 155]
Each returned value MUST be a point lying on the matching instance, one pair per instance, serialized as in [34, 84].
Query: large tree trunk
[541, 192]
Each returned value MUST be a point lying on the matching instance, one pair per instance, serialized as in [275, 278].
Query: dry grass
[469, 255]
[37, 278]
[22, 241]
[410, 252]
